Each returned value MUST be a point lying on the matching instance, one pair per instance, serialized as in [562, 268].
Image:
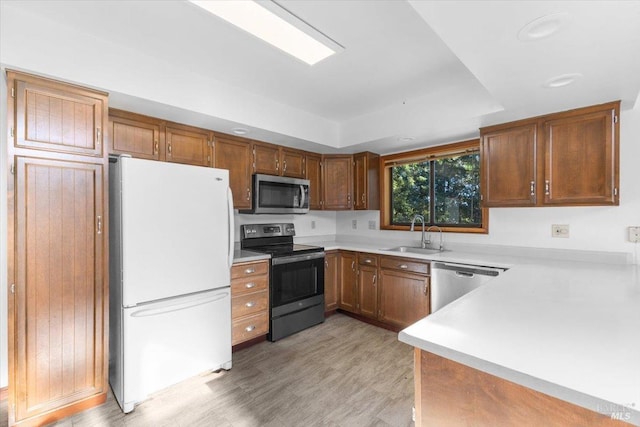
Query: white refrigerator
[171, 249]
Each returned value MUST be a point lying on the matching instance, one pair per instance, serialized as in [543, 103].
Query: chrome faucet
[441, 247]
[423, 242]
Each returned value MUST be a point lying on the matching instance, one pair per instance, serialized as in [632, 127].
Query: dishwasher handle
[468, 271]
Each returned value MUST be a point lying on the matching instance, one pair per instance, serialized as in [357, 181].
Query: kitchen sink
[414, 249]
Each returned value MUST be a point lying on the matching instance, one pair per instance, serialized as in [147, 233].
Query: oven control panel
[253, 231]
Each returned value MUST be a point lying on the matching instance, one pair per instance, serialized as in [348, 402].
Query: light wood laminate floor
[340, 373]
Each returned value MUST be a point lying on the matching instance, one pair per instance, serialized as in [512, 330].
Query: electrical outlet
[372, 224]
[634, 234]
[313, 225]
[354, 224]
[560, 230]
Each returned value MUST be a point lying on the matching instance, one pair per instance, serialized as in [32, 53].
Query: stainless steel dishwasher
[451, 281]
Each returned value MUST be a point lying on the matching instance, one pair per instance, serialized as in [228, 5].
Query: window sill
[473, 230]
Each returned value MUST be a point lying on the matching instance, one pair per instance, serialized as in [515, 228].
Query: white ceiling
[431, 70]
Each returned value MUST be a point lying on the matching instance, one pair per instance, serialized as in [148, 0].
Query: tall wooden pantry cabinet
[57, 249]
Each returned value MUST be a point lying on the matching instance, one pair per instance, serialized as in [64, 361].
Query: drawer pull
[250, 304]
[403, 266]
[368, 261]
[250, 285]
[249, 328]
[250, 270]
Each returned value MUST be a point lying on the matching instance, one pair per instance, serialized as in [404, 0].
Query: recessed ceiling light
[240, 131]
[542, 27]
[277, 26]
[561, 80]
[406, 138]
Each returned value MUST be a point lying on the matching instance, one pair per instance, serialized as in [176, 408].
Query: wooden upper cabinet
[562, 159]
[293, 162]
[581, 159]
[366, 178]
[234, 154]
[57, 323]
[266, 158]
[57, 117]
[189, 145]
[313, 165]
[337, 173]
[509, 166]
[137, 135]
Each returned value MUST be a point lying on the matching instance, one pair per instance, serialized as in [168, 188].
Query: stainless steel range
[296, 291]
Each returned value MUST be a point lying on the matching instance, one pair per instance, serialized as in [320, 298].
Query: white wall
[324, 222]
[591, 228]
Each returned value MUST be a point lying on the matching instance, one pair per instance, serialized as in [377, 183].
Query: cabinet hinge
[615, 119]
[13, 92]
[13, 288]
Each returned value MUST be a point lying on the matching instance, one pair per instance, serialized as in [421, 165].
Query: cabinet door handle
[250, 328]
[250, 285]
[532, 187]
[284, 166]
[248, 194]
[426, 288]
[169, 148]
[98, 136]
[546, 187]
[250, 270]
[99, 224]
[326, 263]
[250, 304]
[363, 201]
[353, 263]
[277, 164]
[156, 146]
[375, 277]
[403, 266]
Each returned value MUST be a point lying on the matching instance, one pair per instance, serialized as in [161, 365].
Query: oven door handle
[297, 258]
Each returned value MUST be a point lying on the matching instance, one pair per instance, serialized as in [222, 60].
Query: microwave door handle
[302, 196]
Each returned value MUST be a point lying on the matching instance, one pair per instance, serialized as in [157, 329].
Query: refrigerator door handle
[231, 225]
[146, 312]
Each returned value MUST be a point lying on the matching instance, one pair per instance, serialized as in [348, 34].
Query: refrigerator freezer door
[175, 225]
[169, 341]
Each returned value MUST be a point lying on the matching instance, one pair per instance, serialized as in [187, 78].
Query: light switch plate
[354, 224]
[560, 230]
[634, 234]
[372, 224]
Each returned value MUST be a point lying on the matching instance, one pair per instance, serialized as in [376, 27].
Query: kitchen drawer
[246, 285]
[247, 304]
[367, 259]
[249, 269]
[249, 327]
[405, 264]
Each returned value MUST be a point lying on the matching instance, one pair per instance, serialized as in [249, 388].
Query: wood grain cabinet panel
[404, 291]
[187, 145]
[331, 280]
[368, 291]
[57, 117]
[59, 327]
[293, 163]
[266, 158]
[234, 154]
[509, 166]
[313, 165]
[337, 176]
[249, 301]
[348, 282]
[366, 178]
[581, 161]
[135, 135]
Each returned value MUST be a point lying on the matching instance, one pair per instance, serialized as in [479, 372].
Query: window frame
[430, 153]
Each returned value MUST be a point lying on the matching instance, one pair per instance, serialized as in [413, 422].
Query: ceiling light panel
[272, 23]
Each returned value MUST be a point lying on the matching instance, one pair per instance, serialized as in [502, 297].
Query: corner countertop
[243, 255]
[565, 328]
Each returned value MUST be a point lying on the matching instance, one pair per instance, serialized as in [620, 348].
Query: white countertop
[243, 255]
[565, 328]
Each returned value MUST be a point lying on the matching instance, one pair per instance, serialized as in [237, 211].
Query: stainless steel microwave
[279, 195]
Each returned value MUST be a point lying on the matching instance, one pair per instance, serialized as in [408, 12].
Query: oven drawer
[249, 284]
[249, 269]
[247, 304]
[249, 327]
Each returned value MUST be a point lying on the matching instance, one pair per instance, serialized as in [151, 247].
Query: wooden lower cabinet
[58, 293]
[331, 280]
[249, 301]
[450, 394]
[368, 291]
[348, 282]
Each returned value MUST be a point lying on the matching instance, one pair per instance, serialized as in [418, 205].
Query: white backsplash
[314, 223]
